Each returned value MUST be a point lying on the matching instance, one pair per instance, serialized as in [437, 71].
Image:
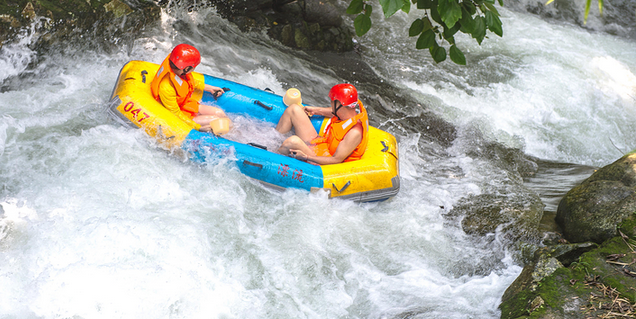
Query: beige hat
[292, 96]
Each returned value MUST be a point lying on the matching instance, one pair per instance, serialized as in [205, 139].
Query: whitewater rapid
[98, 221]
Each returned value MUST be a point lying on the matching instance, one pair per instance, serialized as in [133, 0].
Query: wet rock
[628, 226]
[303, 24]
[55, 21]
[618, 16]
[596, 285]
[28, 13]
[118, 8]
[323, 12]
[12, 21]
[545, 262]
[592, 210]
[516, 216]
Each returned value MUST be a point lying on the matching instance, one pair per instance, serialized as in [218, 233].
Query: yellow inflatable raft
[374, 177]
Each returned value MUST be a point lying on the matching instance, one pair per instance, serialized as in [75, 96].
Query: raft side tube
[257, 163]
[375, 175]
[246, 100]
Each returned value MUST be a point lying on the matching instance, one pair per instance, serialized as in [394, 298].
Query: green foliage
[362, 22]
[457, 55]
[441, 20]
[588, 4]
[580, 266]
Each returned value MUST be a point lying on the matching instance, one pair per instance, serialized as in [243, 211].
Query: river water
[98, 221]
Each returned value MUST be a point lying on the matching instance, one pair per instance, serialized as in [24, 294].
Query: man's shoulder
[165, 83]
[355, 131]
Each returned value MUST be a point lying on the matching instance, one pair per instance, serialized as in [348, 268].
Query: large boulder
[302, 24]
[562, 283]
[592, 210]
[516, 217]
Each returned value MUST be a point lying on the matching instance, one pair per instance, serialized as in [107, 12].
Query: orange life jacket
[334, 132]
[183, 88]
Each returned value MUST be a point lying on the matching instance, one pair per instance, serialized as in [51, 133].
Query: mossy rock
[65, 19]
[628, 226]
[592, 210]
[516, 216]
[599, 283]
[612, 262]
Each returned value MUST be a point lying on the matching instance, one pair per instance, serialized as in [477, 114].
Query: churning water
[98, 221]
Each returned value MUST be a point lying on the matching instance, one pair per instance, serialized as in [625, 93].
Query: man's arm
[216, 91]
[345, 148]
[316, 110]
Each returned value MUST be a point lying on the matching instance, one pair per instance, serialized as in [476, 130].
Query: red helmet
[345, 93]
[184, 55]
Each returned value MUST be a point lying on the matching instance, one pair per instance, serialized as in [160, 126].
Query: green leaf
[390, 7]
[368, 9]
[450, 32]
[362, 24]
[355, 7]
[470, 7]
[457, 55]
[491, 8]
[494, 24]
[416, 27]
[588, 3]
[449, 11]
[600, 7]
[425, 4]
[438, 53]
[467, 22]
[436, 17]
[407, 6]
[426, 40]
[427, 24]
[480, 29]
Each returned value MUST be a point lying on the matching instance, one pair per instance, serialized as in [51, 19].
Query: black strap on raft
[257, 145]
[269, 108]
[226, 89]
[343, 187]
[253, 164]
[386, 147]
[269, 90]
[143, 76]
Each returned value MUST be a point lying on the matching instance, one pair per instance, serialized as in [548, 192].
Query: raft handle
[269, 108]
[258, 146]
[143, 76]
[386, 147]
[343, 187]
[260, 166]
[226, 89]
[269, 90]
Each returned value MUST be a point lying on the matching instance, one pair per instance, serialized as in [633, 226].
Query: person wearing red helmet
[179, 91]
[343, 139]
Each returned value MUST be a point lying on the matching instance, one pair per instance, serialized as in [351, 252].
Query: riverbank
[73, 20]
[589, 271]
